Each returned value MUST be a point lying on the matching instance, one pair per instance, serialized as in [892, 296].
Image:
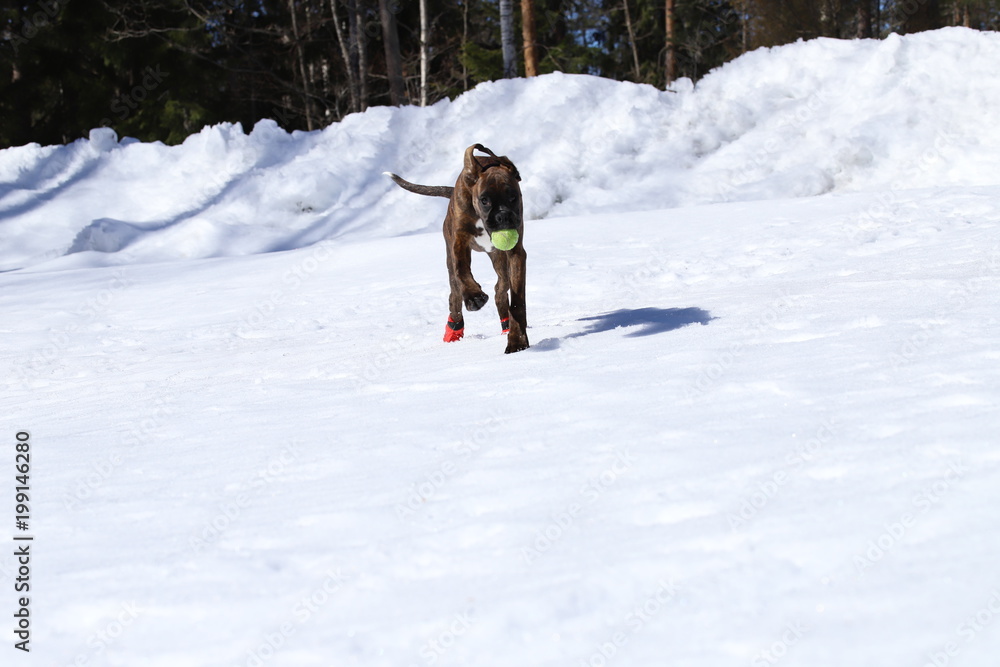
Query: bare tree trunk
[960, 13]
[352, 81]
[424, 55]
[827, 19]
[528, 32]
[671, 43]
[393, 59]
[864, 19]
[927, 16]
[362, 56]
[354, 58]
[465, 41]
[507, 38]
[300, 56]
[631, 40]
[744, 33]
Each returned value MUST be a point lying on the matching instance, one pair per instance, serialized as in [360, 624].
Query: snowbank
[798, 120]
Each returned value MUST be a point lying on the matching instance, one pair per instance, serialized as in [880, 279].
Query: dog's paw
[476, 301]
[516, 345]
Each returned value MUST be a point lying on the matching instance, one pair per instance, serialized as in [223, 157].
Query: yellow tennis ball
[504, 239]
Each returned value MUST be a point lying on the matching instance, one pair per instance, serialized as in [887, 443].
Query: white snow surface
[757, 424]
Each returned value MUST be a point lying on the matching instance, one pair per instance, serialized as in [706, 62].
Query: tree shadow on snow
[646, 322]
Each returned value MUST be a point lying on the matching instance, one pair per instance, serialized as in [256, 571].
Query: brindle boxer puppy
[486, 198]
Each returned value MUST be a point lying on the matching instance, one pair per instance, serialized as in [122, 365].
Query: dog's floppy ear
[472, 169]
[505, 161]
[484, 149]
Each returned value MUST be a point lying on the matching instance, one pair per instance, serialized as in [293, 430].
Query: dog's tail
[428, 190]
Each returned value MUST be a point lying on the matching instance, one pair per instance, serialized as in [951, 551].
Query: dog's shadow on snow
[640, 321]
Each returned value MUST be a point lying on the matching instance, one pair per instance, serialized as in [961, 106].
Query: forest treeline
[162, 69]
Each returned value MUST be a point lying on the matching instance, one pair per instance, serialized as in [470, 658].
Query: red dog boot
[454, 330]
[505, 325]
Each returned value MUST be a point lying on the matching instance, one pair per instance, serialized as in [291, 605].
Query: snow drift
[798, 120]
[746, 433]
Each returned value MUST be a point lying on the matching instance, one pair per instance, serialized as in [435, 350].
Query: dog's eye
[484, 200]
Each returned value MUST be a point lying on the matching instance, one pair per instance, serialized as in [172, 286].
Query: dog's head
[493, 187]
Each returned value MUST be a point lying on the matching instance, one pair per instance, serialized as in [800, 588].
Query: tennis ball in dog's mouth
[504, 239]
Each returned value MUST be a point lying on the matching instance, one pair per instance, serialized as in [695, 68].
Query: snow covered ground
[757, 431]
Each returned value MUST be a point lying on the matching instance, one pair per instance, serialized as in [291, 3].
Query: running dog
[486, 199]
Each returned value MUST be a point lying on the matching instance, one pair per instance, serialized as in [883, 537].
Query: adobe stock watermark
[767, 490]
[967, 631]
[711, 373]
[126, 103]
[774, 653]
[100, 640]
[425, 489]
[635, 620]
[561, 521]
[388, 353]
[437, 646]
[373, 28]
[859, 228]
[758, 164]
[301, 613]
[923, 501]
[104, 468]
[960, 298]
[292, 280]
[231, 509]
[636, 283]
[45, 15]
[90, 310]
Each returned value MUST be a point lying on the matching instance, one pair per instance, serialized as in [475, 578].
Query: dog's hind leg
[517, 338]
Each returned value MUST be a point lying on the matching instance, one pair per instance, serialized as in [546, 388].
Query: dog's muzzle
[503, 219]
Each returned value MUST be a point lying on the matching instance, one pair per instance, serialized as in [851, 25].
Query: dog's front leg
[464, 288]
[455, 328]
[517, 338]
[501, 293]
